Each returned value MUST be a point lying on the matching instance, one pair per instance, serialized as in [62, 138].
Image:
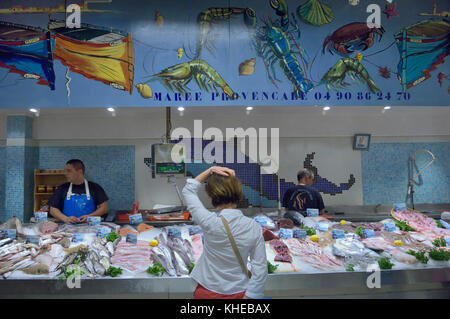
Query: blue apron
[78, 205]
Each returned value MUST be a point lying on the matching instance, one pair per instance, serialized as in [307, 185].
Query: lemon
[398, 243]
[153, 243]
[315, 238]
[343, 222]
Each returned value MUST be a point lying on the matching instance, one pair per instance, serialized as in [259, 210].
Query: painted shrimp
[335, 76]
[275, 42]
[176, 77]
[206, 18]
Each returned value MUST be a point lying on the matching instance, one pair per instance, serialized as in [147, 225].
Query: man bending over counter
[74, 201]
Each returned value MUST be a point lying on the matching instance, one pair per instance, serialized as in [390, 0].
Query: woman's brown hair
[224, 190]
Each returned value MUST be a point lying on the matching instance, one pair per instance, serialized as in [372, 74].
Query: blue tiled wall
[385, 173]
[112, 167]
[14, 181]
[2, 182]
[19, 127]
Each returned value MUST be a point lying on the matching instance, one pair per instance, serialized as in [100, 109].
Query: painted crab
[352, 36]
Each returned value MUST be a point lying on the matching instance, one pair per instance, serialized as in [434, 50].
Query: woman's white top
[218, 268]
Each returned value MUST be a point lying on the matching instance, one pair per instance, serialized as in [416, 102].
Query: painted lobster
[274, 43]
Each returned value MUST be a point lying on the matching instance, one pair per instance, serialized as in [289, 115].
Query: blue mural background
[155, 48]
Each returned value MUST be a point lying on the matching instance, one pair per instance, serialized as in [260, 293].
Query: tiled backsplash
[112, 167]
[385, 173]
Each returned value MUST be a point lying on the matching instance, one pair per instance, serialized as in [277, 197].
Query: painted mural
[224, 52]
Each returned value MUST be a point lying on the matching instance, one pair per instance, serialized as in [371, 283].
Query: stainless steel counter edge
[393, 283]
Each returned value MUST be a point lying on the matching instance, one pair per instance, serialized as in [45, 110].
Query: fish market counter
[417, 283]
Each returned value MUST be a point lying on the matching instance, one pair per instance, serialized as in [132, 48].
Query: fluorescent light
[33, 110]
[110, 109]
[249, 108]
[181, 109]
[326, 108]
[387, 107]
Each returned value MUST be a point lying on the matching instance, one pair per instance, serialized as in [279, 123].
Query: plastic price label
[32, 239]
[131, 238]
[9, 233]
[285, 233]
[76, 238]
[389, 227]
[136, 219]
[300, 233]
[445, 224]
[321, 226]
[399, 206]
[337, 234]
[368, 233]
[94, 220]
[40, 216]
[312, 212]
[102, 232]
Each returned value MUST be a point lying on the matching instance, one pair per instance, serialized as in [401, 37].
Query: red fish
[390, 10]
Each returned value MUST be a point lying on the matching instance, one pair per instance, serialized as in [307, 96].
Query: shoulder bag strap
[236, 250]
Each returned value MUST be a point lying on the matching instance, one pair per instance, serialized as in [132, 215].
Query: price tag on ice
[136, 219]
[76, 238]
[312, 212]
[367, 233]
[285, 233]
[399, 206]
[337, 234]
[173, 232]
[40, 216]
[131, 238]
[9, 233]
[321, 226]
[300, 233]
[102, 232]
[94, 220]
[447, 240]
[389, 227]
[445, 224]
[32, 239]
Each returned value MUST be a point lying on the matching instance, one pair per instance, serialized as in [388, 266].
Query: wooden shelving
[44, 180]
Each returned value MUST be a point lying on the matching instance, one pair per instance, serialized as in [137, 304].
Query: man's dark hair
[304, 172]
[77, 164]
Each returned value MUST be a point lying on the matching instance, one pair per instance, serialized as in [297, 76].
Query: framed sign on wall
[361, 142]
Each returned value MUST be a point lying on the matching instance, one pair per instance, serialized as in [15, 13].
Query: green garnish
[440, 242]
[420, 256]
[191, 267]
[112, 236]
[403, 226]
[114, 271]
[385, 263]
[73, 272]
[439, 254]
[358, 231]
[156, 270]
[271, 268]
[439, 224]
[350, 267]
[345, 231]
[309, 230]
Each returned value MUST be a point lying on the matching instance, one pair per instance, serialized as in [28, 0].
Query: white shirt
[218, 268]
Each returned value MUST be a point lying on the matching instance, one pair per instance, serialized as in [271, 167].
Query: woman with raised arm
[230, 239]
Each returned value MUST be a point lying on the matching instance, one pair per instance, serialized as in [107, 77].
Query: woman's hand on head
[224, 171]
